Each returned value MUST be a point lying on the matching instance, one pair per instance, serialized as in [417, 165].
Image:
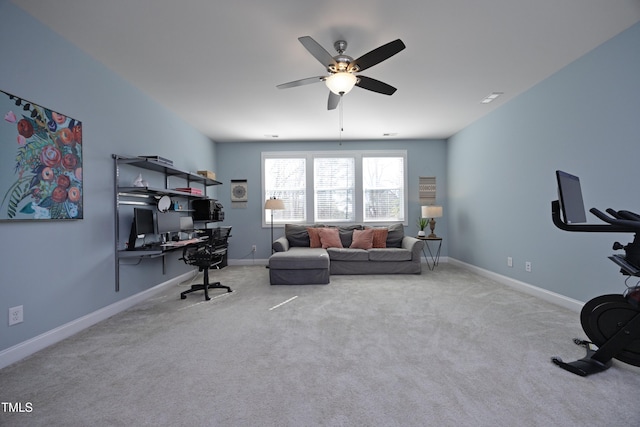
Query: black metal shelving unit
[130, 195]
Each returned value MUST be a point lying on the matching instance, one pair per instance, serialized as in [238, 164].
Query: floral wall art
[40, 162]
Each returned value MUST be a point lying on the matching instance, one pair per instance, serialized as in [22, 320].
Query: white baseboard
[552, 297]
[443, 259]
[31, 346]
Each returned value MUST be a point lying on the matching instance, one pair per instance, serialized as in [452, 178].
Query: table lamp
[432, 212]
[273, 204]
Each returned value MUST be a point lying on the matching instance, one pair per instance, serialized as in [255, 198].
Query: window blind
[334, 188]
[383, 188]
[285, 179]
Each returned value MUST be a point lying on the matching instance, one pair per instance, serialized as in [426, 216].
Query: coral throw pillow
[362, 239]
[380, 237]
[314, 237]
[330, 238]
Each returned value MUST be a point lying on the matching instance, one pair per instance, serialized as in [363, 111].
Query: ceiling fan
[343, 68]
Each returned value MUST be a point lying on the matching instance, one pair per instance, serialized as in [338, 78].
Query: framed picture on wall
[40, 162]
[239, 191]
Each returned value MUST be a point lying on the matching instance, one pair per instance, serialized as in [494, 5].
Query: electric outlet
[509, 261]
[15, 315]
[527, 266]
[253, 248]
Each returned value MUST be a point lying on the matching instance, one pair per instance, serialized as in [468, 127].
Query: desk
[157, 250]
[434, 259]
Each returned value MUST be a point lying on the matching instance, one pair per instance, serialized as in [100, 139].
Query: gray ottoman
[299, 266]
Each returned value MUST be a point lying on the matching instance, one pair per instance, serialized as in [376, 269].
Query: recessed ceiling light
[491, 97]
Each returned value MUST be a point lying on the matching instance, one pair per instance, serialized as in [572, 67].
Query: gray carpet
[447, 348]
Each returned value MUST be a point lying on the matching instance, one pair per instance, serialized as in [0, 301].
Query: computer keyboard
[180, 243]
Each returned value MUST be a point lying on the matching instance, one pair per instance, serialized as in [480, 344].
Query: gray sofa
[294, 262]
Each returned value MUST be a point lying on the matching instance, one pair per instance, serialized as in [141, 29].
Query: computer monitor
[570, 196]
[142, 224]
[169, 222]
[186, 223]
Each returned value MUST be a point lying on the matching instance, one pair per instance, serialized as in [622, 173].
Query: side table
[434, 258]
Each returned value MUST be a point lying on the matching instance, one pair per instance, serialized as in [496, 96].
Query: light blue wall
[61, 271]
[585, 120]
[242, 161]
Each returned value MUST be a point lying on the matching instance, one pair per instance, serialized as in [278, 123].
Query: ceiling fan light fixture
[341, 83]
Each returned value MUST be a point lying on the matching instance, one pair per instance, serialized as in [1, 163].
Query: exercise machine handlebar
[617, 221]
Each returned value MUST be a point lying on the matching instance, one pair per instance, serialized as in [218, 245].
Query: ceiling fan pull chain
[340, 121]
[341, 114]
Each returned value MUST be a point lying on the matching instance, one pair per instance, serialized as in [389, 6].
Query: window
[334, 188]
[344, 186]
[383, 188]
[284, 178]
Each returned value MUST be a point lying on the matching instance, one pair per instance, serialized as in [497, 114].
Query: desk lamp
[432, 212]
[273, 204]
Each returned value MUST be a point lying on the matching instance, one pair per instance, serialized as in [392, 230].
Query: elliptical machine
[612, 322]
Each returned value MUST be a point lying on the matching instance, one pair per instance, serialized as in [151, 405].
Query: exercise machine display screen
[570, 196]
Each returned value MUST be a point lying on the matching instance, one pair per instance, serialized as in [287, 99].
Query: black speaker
[207, 210]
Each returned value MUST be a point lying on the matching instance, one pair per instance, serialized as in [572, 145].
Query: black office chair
[206, 255]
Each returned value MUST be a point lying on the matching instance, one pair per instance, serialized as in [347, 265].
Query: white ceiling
[217, 63]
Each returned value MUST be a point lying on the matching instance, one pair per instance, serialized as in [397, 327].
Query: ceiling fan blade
[376, 56]
[333, 102]
[375, 85]
[301, 82]
[317, 51]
